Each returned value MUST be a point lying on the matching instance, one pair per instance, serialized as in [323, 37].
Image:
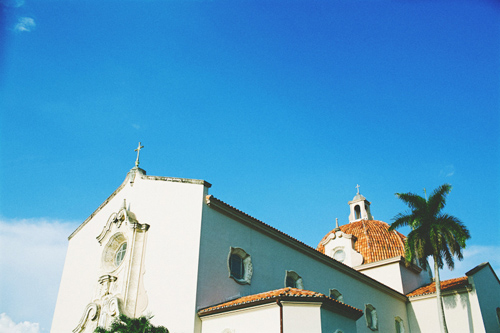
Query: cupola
[360, 208]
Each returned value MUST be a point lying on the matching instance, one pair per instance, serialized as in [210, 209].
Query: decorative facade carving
[119, 288]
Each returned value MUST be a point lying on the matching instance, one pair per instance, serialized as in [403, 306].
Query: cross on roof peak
[357, 187]
[138, 150]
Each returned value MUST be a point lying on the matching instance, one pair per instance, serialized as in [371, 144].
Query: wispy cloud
[473, 256]
[447, 171]
[7, 325]
[25, 24]
[12, 3]
[32, 256]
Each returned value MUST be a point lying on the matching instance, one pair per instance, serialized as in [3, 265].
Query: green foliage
[124, 324]
[434, 233]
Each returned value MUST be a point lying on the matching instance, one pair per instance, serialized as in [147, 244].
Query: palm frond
[434, 234]
[413, 201]
[437, 200]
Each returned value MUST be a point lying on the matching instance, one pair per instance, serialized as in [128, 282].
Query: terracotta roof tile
[445, 285]
[372, 240]
[278, 294]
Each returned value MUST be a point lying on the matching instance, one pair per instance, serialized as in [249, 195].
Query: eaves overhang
[283, 296]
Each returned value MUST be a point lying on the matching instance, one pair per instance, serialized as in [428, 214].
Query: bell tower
[359, 207]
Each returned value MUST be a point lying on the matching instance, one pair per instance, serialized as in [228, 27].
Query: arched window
[400, 327]
[293, 280]
[239, 265]
[357, 212]
[120, 254]
[236, 266]
[335, 294]
[371, 317]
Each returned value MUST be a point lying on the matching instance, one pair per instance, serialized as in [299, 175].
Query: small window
[120, 254]
[371, 317]
[293, 280]
[239, 265]
[400, 327]
[335, 294]
[339, 254]
[236, 266]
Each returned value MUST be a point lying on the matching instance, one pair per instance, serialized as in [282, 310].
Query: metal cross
[138, 150]
[357, 187]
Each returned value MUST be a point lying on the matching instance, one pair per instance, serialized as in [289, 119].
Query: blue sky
[284, 106]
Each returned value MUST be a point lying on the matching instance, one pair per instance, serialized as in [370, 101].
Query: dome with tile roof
[372, 239]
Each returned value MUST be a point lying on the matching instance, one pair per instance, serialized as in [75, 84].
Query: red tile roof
[373, 240]
[445, 285]
[287, 294]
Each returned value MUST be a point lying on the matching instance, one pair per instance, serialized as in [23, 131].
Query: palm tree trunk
[442, 319]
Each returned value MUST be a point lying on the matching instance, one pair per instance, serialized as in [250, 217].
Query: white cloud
[32, 256]
[473, 256]
[25, 24]
[7, 325]
[447, 171]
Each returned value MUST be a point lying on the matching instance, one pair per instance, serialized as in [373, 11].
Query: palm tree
[124, 324]
[434, 234]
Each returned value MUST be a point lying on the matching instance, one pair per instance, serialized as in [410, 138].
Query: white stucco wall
[396, 275]
[271, 258]
[486, 294]
[173, 211]
[389, 274]
[423, 315]
[413, 280]
[298, 317]
[301, 317]
[263, 318]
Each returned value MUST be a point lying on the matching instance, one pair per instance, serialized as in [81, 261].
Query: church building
[165, 246]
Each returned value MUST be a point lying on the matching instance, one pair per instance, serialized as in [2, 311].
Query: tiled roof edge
[462, 282]
[328, 302]
[275, 233]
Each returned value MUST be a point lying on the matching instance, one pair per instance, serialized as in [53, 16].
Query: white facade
[179, 241]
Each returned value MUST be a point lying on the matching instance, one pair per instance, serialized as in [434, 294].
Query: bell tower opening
[357, 212]
[359, 207]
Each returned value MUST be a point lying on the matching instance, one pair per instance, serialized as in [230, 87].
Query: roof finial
[138, 150]
[357, 187]
[336, 223]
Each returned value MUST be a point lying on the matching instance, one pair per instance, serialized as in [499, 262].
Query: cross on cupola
[359, 207]
[138, 150]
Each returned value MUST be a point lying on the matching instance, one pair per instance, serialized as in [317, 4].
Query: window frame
[339, 297]
[371, 317]
[246, 265]
[299, 283]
